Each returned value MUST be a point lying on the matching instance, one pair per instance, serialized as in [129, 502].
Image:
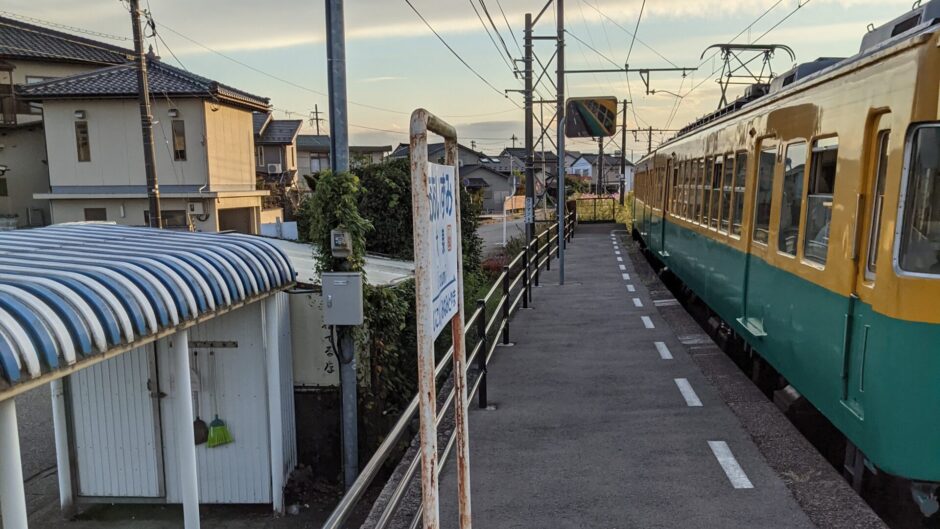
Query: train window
[715, 195]
[765, 177]
[686, 193]
[791, 203]
[674, 191]
[878, 196]
[822, 182]
[700, 191]
[740, 175]
[920, 227]
[726, 184]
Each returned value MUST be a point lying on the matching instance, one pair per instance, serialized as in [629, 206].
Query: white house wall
[239, 472]
[115, 139]
[315, 364]
[113, 428]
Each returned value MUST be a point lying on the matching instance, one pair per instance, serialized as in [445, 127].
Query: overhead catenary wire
[457, 55]
[489, 34]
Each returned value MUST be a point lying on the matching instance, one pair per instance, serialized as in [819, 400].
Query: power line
[490, 35]
[509, 28]
[73, 29]
[628, 32]
[495, 29]
[457, 55]
[635, 30]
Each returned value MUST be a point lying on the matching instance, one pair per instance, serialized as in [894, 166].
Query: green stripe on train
[884, 395]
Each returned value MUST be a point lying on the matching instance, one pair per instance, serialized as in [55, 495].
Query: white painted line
[619, 259]
[669, 302]
[631, 288]
[637, 302]
[647, 322]
[616, 247]
[626, 277]
[664, 351]
[691, 399]
[616, 252]
[730, 465]
[622, 267]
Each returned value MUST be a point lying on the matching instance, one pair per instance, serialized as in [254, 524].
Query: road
[492, 234]
[37, 439]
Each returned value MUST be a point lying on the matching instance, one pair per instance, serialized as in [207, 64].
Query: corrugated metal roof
[379, 271]
[73, 291]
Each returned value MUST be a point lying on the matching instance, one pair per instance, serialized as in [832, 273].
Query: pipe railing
[486, 341]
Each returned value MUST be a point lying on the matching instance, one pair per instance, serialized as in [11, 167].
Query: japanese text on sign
[444, 257]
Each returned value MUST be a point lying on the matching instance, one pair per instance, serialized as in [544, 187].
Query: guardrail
[511, 289]
[595, 209]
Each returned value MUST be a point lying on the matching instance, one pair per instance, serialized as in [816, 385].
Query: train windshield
[920, 229]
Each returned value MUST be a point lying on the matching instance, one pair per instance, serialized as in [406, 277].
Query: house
[32, 54]
[204, 138]
[587, 165]
[314, 155]
[487, 186]
[276, 166]
[465, 155]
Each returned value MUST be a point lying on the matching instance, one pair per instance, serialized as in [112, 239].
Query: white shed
[138, 331]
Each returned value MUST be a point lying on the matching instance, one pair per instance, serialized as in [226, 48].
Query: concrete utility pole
[623, 153]
[600, 166]
[514, 139]
[339, 162]
[529, 118]
[560, 128]
[336, 74]
[146, 119]
[649, 141]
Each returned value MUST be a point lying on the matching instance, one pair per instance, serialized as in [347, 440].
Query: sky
[395, 64]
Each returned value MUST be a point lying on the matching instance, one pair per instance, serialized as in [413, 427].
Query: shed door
[117, 447]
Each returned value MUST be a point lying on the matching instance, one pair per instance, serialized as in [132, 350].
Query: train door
[756, 289]
[868, 234]
[669, 181]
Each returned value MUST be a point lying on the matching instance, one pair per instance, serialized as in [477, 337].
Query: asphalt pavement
[603, 420]
[492, 233]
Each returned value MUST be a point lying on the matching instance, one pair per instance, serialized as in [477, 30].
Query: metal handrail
[344, 508]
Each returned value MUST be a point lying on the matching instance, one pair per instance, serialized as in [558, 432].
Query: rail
[510, 289]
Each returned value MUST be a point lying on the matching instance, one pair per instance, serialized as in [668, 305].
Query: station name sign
[444, 257]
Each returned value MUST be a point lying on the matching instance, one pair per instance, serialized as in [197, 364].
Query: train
[806, 214]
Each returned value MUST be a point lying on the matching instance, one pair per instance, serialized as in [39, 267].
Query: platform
[604, 420]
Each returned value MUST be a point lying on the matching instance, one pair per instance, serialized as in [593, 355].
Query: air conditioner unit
[196, 208]
[274, 168]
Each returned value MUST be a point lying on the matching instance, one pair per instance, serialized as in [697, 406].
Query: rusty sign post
[435, 193]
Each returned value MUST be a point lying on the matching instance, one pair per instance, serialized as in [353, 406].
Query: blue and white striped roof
[72, 291]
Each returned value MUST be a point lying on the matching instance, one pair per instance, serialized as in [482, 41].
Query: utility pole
[514, 139]
[623, 153]
[339, 163]
[146, 119]
[649, 141]
[473, 144]
[600, 165]
[560, 128]
[336, 73]
[529, 118]
[316, 119]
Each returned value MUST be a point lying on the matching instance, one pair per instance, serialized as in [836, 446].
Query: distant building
[313, 155]
[465, 155]
[490, 188]
[587, 167]
[32, 54]
[204, 136]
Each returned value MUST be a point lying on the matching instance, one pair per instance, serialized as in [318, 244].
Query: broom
[218, 432]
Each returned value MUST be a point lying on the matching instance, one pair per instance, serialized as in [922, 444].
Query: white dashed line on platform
[622, 267]
[691, 399]
[620, 259]
[631, 288]
[647, 322]
[668, 302]
[730, 465]
[637, 302]
[664, 351]
[626, 277]
[616, 252]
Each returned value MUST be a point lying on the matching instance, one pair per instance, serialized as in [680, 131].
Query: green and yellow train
[808, 217]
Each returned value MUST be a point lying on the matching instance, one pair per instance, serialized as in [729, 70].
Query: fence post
[506, 305]
[481, 354]
[538, 258]
[548, 250]
[594, 218]
[525, 277]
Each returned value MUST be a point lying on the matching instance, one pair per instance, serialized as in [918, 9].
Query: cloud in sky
[394, 62]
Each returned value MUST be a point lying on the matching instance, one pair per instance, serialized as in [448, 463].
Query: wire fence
[485, 329]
